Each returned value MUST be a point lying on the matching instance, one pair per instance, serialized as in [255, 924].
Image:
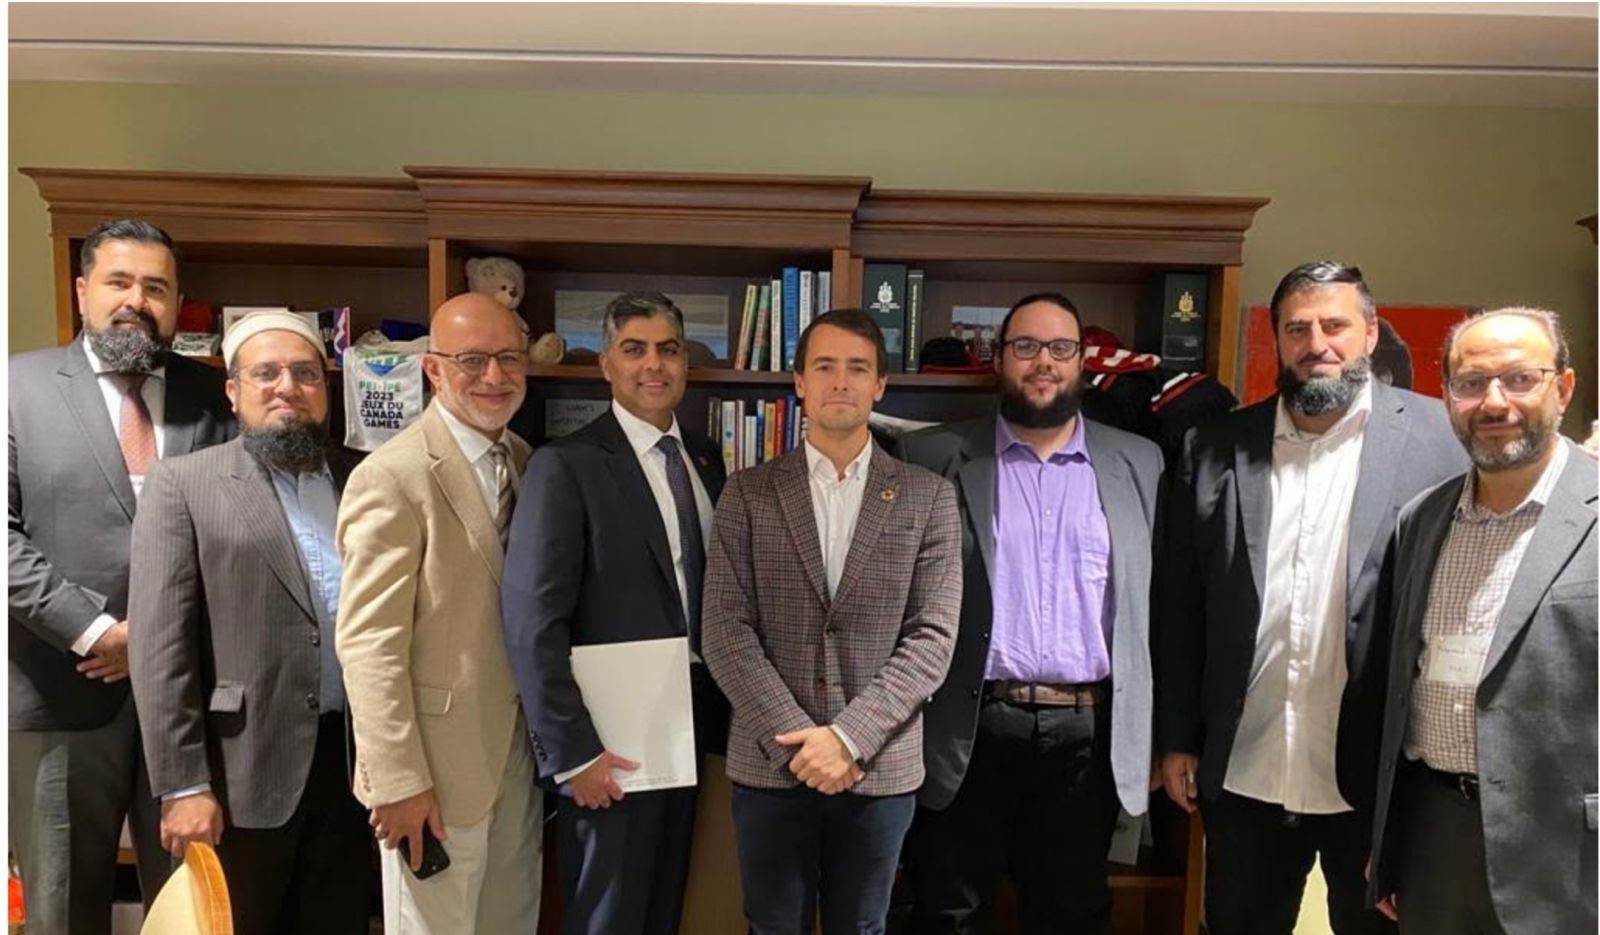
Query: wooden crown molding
[771, 211]
[1177, 230]
[244, 209]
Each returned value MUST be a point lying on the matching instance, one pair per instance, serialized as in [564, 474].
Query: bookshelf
[396, 248]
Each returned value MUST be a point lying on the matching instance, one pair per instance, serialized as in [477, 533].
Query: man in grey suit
[1269, 660]
[86, 421]
[234, 589]
[1043, 725]
[1485, 815]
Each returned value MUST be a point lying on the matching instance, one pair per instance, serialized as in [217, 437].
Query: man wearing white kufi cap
[235, 589]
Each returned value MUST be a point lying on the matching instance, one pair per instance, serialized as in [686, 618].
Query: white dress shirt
[475, 448]
[836, 505]
[1284, 749]
[155, 401]
[643, 438]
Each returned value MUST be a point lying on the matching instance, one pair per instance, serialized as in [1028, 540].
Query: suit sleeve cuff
[186, 792]
[566, 777]
[844, 738]
[96, 629]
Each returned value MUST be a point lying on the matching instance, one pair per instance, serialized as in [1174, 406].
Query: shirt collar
[472, 443]
[1353, 420]
[100, 369]
[1468, 507]
[1005, 439]
[642, 436]
[821, 466]
[294, 480]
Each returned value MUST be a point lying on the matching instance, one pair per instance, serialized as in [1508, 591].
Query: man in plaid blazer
[833, 586]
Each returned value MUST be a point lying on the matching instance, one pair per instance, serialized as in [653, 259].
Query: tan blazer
[419, 632]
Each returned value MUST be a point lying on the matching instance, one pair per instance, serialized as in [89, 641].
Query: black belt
[1083, 695]
[1463, 784]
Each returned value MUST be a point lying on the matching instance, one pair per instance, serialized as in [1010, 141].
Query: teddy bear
[498, 277]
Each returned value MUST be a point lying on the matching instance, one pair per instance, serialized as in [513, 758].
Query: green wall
[1464, 206]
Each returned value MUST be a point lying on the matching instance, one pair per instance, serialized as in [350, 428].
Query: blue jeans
[798, 847]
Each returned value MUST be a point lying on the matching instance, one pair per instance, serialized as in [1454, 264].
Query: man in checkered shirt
[1485, 816]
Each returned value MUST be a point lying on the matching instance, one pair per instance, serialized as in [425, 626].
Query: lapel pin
[887, 494]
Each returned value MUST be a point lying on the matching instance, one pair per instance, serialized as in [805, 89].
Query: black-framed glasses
[1029, 348]
[1471, 387]
[476, 363]
[305, 373]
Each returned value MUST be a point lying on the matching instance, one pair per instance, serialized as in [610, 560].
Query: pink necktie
[135, 431]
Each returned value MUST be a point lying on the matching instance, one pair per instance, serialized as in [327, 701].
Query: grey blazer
[1214, 567]
[1537, 758]
[1128, 474]
[791, 657]
[69, 515]
[224, 650]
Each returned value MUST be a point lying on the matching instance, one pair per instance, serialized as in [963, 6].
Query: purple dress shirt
[1052, 557]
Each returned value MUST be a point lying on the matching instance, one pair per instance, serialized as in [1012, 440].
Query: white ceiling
[1491, 54]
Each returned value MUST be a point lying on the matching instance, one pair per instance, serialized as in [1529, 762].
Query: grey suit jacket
[1537, 760]
[790, 657]
[69, 516]
[1128, 475]
[224, 650]
[1214, 570]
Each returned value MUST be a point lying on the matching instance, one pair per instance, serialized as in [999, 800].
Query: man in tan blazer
[440, 740]
[833, 587]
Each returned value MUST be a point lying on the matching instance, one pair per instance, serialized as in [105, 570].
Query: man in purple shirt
[1042, 727]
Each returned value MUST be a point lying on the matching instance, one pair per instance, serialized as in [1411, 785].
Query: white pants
[492, 883]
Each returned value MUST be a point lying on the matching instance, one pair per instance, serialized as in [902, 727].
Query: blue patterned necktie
[689, 540]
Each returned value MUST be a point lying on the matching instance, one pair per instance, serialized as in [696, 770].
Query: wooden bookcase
[396, 248]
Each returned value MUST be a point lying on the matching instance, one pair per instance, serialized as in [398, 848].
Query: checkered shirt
[1479, 559]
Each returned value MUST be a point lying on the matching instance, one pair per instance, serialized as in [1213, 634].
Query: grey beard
[126, 350]
[297, 448]
[1522, 451]
[1322, 395]
[1016, 409]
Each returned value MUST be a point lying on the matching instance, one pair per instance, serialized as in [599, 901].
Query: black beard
[129, 350]
[1018, 410]
[1322, 395]
[299, 448]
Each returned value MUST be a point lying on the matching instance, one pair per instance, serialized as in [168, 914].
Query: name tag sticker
[1457, 659]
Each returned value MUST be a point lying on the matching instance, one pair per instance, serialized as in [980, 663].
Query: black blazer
[69, 519]
[589, 563]
[1214, 566]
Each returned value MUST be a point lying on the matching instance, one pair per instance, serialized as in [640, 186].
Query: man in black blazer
[608, 546]
[1042, 727]
[86, 421]
[1269, 662]
[232, 600]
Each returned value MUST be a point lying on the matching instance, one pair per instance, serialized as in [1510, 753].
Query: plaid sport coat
[788, 657]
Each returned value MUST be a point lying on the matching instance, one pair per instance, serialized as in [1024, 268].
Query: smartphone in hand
[434, 858]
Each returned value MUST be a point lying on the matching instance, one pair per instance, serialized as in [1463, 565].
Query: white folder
[639, 699]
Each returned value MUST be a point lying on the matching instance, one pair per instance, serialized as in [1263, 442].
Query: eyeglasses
[305, 373]
[476, 363]
[1028, 348]
[1471, 387]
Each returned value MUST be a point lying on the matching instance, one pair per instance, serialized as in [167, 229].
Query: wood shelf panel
[808, 212]
[1011, 226]
[199, 207]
